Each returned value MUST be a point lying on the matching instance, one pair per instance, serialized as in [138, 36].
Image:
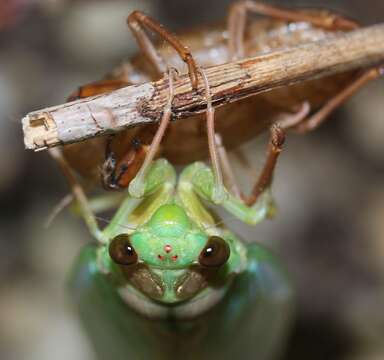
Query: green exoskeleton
[166, 281]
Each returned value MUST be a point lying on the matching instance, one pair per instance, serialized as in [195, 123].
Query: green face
[169, 258]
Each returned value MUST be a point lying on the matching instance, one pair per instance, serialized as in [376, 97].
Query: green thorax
[169, 240]
[169, 249]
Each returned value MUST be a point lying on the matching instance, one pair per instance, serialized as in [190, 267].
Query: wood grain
[138, 104]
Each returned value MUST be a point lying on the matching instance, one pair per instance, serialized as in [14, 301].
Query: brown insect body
[185, 141]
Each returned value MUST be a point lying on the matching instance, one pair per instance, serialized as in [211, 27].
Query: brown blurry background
[329, 186]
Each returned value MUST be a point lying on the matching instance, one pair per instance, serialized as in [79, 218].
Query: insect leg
[276, 141]
[117, 174]
[97, 204]
[238, 15]
[136, 186]
[275, 144]
[230, 180]
[136, 21]
[78, 194]
[265, 178]
[321, 115]
[218, 190]
[61, 205]
[197, 182]
[274, 148]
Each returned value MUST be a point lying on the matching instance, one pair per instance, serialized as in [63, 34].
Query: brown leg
[238, 15]
[117, 174]
[275, 144]
[78, 194]
[329, 21]
[218, 192]
[135, 162]
[321, 115]
[288, 121]
[136, 21]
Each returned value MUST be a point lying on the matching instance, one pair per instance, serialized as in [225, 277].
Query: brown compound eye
[121, 251]
[216, 252]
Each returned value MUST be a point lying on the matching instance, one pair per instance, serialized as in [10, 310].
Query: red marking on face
[167, 248]
[174, 257]
[161, 257]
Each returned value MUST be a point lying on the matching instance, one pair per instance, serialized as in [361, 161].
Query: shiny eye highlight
[121, 251]
[216, 252]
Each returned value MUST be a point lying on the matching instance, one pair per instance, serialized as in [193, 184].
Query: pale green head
[170, 258]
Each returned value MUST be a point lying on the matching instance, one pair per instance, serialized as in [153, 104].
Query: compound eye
[121, 251]
[216, 252]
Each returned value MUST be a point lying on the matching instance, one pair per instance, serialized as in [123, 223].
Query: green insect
[165, 281]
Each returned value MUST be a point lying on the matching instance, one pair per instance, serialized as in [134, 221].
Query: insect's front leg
[197, 181]
[131, 169]
[158, 187]
[137, 21]
[118, 172]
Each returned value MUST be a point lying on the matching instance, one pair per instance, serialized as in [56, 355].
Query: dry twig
[138, 104]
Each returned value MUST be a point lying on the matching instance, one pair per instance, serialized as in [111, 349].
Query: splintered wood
[139, 104]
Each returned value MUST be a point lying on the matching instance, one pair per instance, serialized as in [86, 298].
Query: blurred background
[329, 186]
